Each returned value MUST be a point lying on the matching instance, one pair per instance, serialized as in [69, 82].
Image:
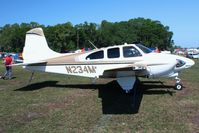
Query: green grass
[59, 103]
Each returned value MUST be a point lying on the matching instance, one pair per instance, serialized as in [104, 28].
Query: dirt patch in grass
[195, 120]
[189, 104]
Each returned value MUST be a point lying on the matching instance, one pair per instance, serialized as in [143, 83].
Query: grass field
[59, 103]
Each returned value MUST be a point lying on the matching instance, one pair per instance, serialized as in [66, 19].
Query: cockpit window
[130, 51]
[113, 53]
[96, 55]
[144, 49]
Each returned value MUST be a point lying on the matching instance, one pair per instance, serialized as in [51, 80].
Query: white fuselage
[123, 62]
[146, 64]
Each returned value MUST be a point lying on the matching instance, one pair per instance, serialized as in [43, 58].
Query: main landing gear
[178, 85]
[31, 77]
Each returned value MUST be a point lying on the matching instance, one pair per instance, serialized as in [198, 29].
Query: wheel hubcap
[178, 87]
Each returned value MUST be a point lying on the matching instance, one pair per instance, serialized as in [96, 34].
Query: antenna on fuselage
[92, 44]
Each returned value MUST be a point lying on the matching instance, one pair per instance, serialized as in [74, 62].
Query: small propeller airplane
[123, 62]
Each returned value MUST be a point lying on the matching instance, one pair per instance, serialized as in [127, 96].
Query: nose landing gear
[178, 85]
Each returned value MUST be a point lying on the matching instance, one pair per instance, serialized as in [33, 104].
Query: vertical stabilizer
[36, 47]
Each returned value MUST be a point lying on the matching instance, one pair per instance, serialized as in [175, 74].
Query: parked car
[193, 55]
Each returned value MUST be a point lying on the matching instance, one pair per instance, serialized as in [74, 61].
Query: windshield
[144, 49]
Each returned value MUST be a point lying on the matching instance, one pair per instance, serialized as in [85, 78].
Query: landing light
[180, 63]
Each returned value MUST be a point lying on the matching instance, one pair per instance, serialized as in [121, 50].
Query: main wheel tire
[178, 86]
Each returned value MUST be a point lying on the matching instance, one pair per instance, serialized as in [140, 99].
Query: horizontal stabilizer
[29, 63]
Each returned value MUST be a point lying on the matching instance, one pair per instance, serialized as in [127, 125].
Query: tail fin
[36, 47]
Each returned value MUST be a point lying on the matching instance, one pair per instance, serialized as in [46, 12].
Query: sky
[182, 16]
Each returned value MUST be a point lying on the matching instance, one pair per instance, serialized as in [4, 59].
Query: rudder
[36, 47]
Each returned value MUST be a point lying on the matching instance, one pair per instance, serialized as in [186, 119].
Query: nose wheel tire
[178, 86]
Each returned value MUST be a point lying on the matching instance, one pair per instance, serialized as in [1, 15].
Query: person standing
[8, 62]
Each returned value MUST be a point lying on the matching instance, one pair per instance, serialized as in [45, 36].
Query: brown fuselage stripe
[65, 64]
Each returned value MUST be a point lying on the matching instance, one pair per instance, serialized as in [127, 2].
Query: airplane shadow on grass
[114, 99]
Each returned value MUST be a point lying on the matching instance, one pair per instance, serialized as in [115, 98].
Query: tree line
[62, 37]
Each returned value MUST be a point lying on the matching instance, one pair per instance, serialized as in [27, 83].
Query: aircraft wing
[130, 70]
[126, 76]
